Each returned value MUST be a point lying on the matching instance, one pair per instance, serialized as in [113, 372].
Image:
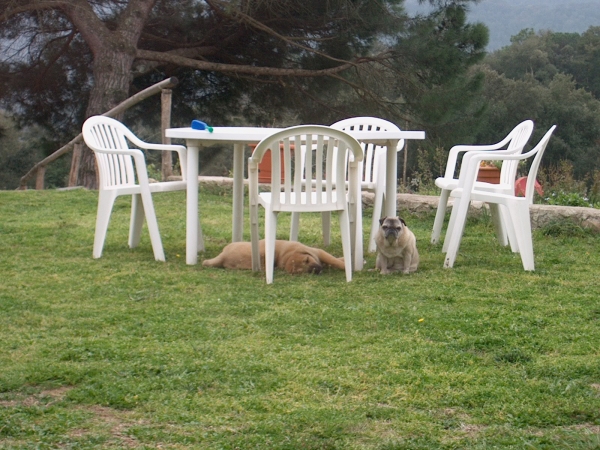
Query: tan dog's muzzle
[315, 268]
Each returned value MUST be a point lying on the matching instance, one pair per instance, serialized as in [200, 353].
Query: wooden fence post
[39, 179]
[77, 148]
[165, 122]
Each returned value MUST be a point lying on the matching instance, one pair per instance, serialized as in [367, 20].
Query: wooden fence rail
[39, 170]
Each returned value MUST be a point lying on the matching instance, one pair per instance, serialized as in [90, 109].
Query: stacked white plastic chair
[518, 221]
[122, 171]
[320, 151]
[513, 143]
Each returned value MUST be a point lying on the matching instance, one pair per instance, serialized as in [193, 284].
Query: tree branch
[262, 27]
[21, 7]
[245, 69]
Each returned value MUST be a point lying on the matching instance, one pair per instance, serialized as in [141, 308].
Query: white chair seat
[168, 186]
[299, 201]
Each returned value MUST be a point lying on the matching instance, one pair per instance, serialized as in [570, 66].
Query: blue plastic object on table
[199, 125]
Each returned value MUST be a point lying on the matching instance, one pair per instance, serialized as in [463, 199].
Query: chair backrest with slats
[374, 155]
[108, 137]
[517, 139]
[535, 165]
[319, 152]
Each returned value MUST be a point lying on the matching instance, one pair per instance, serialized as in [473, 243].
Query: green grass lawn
[127, 352]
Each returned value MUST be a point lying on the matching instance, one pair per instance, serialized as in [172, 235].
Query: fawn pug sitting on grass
[396, 247]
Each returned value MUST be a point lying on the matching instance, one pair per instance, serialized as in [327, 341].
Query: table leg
[391, 177]
[357, 232]
[238, 192]
[192, 222]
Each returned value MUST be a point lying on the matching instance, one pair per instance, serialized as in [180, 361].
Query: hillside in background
[505, 18]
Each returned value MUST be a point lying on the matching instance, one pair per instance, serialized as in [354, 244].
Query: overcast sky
[505, 18]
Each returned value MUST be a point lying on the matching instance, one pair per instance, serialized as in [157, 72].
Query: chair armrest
[180, 149]
[497, 156]
[127, 151]
[163, 147]
[472, 162]
[457, 149]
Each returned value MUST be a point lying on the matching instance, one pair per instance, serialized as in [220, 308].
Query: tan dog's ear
[382, 220]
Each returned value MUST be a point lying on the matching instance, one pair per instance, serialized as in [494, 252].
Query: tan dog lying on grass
[294, 257]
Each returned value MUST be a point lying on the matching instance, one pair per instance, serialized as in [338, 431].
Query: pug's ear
[382, 220]
[402, 220]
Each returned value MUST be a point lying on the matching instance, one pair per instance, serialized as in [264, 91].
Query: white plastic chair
[310, 189]
[122, 171]
[371, 171]
[518, 221]
[513, 143]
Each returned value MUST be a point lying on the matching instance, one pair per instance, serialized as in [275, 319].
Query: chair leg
[106, 201]
[356, 234]
[455, 230]
[295, 226]
[150, 214]
[377, 206]
[498, 220]
[137, 220]
[450, 227]
[510, 229]
[346, 243]
[200, 238]
[440, 216]
[522, 225]
[270, 236]
[254, 237]
[326, 227]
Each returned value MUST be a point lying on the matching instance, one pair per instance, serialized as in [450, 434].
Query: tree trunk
[114, 52]
[112, 78]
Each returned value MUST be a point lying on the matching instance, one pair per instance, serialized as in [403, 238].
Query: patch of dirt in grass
[470, 429]
[117, 423]
[458, 424]
[376, 431]
[593, 429]
[54, 395]
[585, 429]
[9, 403]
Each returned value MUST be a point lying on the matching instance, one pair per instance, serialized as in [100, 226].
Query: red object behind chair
[264, 168]
[521, 184]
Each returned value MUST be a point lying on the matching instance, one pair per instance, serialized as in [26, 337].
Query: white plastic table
[242, 136]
